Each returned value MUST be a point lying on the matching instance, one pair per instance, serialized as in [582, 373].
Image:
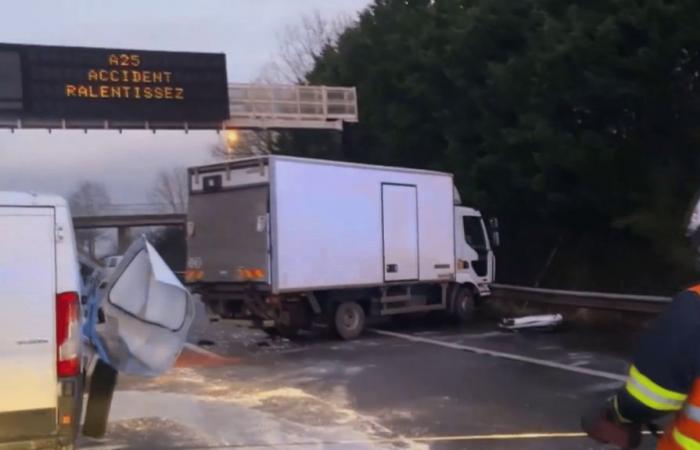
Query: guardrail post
[324, 100]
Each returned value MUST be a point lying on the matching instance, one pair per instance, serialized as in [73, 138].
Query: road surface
[379, 392]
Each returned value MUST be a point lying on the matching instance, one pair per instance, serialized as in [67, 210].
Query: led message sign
[110, 84]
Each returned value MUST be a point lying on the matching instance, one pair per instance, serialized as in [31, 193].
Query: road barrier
[596, 300]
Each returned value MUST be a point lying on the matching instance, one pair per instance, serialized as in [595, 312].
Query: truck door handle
[392, 268]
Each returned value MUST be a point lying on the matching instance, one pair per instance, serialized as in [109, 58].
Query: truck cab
[475, 260]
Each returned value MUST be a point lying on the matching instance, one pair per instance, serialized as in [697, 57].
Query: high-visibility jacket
[665, 375]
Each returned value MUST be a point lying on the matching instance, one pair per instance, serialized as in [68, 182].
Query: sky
[247, 31]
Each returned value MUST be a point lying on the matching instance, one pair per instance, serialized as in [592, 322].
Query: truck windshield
[474, 232]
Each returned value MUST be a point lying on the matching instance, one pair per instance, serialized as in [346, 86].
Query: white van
[41, 378]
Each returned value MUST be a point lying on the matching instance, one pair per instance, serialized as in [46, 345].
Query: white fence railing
[280, 102]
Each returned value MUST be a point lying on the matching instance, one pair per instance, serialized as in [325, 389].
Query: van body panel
[27, 299]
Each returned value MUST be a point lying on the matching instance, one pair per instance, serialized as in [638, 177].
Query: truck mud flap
[102, 383]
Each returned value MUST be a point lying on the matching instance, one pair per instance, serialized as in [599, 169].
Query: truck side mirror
[495, 238]
[495, 234]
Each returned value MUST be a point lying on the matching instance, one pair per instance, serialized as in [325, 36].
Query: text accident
[124, 79]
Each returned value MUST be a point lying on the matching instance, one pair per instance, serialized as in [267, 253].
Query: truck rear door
[28, 381]
[231, 236]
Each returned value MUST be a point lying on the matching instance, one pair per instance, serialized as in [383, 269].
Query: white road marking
[503, 355]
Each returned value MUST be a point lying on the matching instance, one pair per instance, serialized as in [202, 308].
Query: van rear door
[28, 383]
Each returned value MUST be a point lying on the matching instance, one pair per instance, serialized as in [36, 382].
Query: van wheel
[464, 306]
[349, 320]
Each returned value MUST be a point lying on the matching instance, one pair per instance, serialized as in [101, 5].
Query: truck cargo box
[295, 224]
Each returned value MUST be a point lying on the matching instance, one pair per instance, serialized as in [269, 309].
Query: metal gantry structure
[251, 106]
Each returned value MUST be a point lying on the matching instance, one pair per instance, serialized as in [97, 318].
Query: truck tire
[464, 306]
[349, 320]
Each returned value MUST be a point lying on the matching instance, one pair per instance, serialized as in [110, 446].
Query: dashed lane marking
[503, 355]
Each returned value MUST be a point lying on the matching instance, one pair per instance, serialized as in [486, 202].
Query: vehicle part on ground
[541, 322]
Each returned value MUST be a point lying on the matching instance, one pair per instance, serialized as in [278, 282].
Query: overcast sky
[246, 30]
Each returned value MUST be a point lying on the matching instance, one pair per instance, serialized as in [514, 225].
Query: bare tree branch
[301, 44]
[170, 189]
[89, 199]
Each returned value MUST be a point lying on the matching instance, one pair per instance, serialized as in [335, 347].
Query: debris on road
[545, 322]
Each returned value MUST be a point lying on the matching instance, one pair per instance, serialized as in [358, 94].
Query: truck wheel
[463, 306]
[349, 320]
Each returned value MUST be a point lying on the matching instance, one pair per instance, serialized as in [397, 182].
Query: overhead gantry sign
[99, 88]
[111, 88]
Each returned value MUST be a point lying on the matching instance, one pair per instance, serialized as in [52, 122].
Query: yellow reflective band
[649, 401]
[651, 394]
[684, 441]
[655, 388]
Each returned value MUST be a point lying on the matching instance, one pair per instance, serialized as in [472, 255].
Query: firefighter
[663, 379]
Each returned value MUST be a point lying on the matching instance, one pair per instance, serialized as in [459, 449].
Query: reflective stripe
[655, 388]
[650, 400]
[692, 412]
[687, 427]
[684, 441]
[653, 395]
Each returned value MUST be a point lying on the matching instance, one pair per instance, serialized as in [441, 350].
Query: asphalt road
[379, 392]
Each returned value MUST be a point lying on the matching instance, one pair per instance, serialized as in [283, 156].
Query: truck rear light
[193, 275]
[68, 334]
[251, 274]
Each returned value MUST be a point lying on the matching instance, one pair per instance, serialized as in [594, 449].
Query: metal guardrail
[595, 300]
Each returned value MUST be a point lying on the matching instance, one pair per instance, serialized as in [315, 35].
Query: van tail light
[68, 334]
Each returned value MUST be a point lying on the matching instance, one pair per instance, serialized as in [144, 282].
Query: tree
[171, 189]
[575, 122]
[300, 44]
[89, 199]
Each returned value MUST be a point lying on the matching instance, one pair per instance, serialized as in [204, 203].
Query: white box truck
[284, 241]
